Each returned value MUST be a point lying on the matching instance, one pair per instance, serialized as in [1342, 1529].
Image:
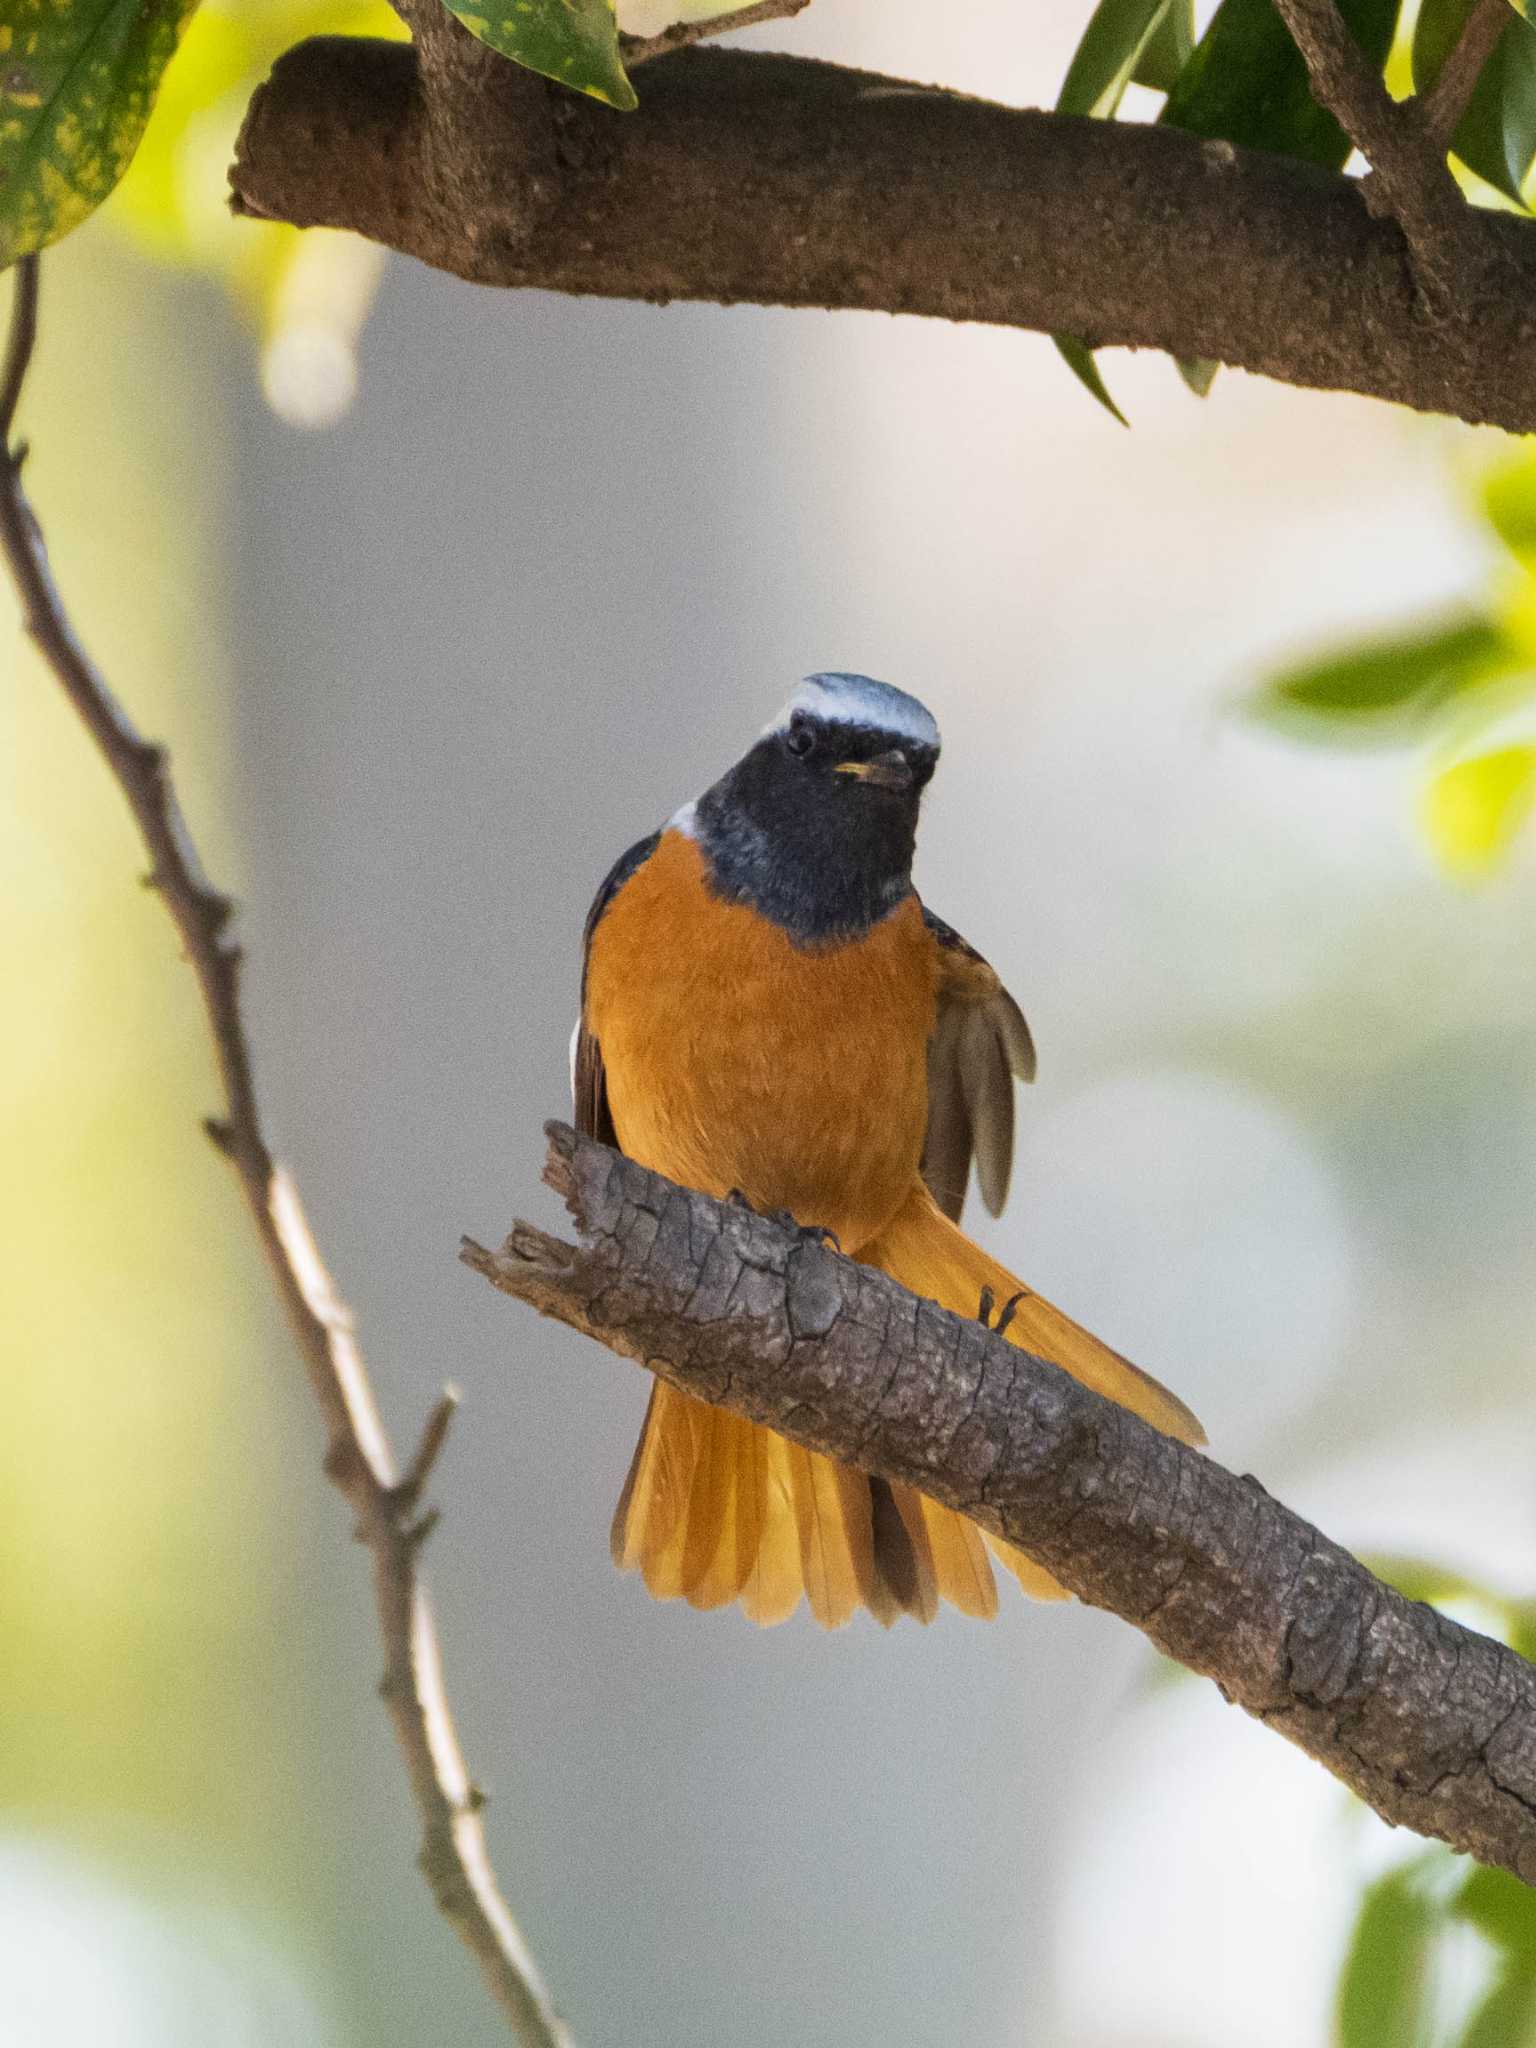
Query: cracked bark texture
[787, 182]
[1431, 1723]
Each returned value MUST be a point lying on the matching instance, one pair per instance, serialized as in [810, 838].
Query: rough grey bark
[786, 182]
[1431, 1723]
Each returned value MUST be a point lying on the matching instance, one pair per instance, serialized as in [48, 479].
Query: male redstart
[769, 1010]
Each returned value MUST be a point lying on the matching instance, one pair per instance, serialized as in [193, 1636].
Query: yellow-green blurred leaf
[174, 200]
[1522, 1631]
[77, 81]
[1383, 1992]
[1379, 688]
[1509, 501]
[1504, 1909]
[573, 41]
[1473, 809]
[1507, 2016]
[307, 293]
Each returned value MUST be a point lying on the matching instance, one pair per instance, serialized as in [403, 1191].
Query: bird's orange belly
[736, 1060]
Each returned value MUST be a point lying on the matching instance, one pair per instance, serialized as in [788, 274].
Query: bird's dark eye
[801, 737]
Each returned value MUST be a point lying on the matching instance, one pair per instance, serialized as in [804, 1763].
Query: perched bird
[768, 1009]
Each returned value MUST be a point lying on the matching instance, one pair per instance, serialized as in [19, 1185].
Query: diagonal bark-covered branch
[385, 1503]
[782, 181]
[1431, 1723]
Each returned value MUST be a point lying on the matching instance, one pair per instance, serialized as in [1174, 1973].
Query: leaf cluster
[1243, 81]
[1461, 687]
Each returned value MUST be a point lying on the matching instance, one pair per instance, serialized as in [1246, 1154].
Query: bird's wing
[980, 1043]
[589, 1082]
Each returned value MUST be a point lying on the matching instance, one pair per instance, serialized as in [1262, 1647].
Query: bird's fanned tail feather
[776, 1575]
[718, 1509]
[836, 1537]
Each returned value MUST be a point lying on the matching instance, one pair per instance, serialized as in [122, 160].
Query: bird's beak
[885, 771]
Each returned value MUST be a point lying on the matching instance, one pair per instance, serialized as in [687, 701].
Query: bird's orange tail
[717, 1509]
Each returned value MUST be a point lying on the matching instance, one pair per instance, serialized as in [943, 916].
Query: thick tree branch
[358, 1457]
[782, 181]
[1432, 1724]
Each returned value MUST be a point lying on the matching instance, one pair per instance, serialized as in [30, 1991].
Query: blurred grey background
[539, 586]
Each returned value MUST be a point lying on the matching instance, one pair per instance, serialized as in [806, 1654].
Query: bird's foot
[816, 1232]
[988, 1303]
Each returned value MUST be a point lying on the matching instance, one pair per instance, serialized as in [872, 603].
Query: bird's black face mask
[815, 827]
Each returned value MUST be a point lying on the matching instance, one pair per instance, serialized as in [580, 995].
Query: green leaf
[77, 81]
[1497, 134]
[1246, 82]
[1472, 810]
[1383, 1991]
[1507, 2016]
[1168, 49]
[1509, 503]
[1078, 357]
[573, 41]
[1105, 60]
[1377, 688]
[1102, 66]
[1198, 372]
[1504, 1909]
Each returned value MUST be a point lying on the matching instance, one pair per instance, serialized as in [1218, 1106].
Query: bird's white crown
[861, 701]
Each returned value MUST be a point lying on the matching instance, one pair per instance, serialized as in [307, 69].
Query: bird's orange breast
[736, 1059]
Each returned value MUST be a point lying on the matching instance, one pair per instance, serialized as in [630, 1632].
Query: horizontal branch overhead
[785, 182]
[1431, 1723]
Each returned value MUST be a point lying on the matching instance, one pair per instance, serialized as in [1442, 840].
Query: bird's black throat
[824, 856]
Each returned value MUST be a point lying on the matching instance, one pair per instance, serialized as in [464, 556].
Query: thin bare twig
[641, 49]
[19, 346]
[1448, 98]
[358, 1458]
